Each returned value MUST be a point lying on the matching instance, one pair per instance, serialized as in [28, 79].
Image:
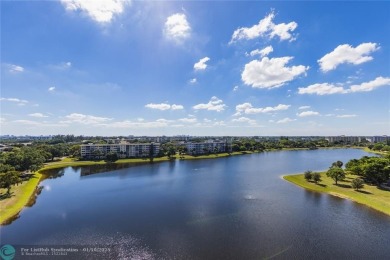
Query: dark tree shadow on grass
[364, 192]
[322, 185]
[344, 185]
[381, 188]
[6, 196]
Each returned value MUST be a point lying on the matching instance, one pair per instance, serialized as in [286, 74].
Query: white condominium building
[207, 147]
[123, 150]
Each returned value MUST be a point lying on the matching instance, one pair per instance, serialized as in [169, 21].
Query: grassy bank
[370, 196]
[20, 196]
[368, 150]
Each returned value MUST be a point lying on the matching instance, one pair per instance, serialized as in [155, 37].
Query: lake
[235, 207]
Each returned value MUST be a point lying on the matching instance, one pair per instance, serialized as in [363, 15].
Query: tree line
[371, 170]
[18, 164]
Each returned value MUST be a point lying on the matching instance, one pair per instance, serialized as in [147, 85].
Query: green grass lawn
[370, 196]
[368, 150]
[20, 196]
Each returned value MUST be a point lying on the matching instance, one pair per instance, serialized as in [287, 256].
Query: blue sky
[198, 68]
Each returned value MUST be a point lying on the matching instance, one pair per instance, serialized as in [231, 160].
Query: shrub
[357, 184]
[308, 175]
[316, 177]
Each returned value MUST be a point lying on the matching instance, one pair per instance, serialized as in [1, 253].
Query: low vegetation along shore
[371, 195]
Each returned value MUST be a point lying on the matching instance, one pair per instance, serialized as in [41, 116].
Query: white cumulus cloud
[263, 52]
[308, 113]
[247, 108]
[285, 120]
[215, 104]
[193, 81]
[371, 85]
[283, 30]
[188, 120]
[138, 125]
[346, 116]
[14, 68]
[19, 102]
[328, 89]
[345, 53]
[85, 119]
[177, 28]
[161, 106]
[322, 89]
[164, 106]
[270, 73]
[101, 11]
[51, 89]
[304, 107]
[39, 115]
[245, 120]
[265, 28]
[177, 107]
[201, 64]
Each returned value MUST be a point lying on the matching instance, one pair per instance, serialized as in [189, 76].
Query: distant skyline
[195, 68]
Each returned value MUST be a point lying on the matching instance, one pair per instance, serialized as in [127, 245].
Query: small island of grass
[371, 195]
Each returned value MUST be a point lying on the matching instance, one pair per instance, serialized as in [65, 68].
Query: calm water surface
[230, 208]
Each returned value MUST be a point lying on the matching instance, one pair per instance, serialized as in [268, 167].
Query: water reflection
[33, 198]
[100, 168]
[53, 173]
[316, 197]
[229, 208]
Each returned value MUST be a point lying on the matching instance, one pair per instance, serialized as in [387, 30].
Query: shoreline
[26, 193]
[8, 214]
[32, 185]
[369, 196]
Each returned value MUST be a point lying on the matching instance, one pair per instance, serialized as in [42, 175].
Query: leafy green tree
[235, 147]
[171, 152]
[386, 148]
[44, 150]
[308, 175]
[193, 151]
[74, 151]
[6, 168]
[111, 157]
[371, 169]
[316, 177]
[13, 158]
[338, 164]
[336, 173]
[32, 159]
[377, 170]
[96, 154]
[7, 179]
[56, 151]
[355, 166]
[378, 146]
[357, 184]
[151, 153]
